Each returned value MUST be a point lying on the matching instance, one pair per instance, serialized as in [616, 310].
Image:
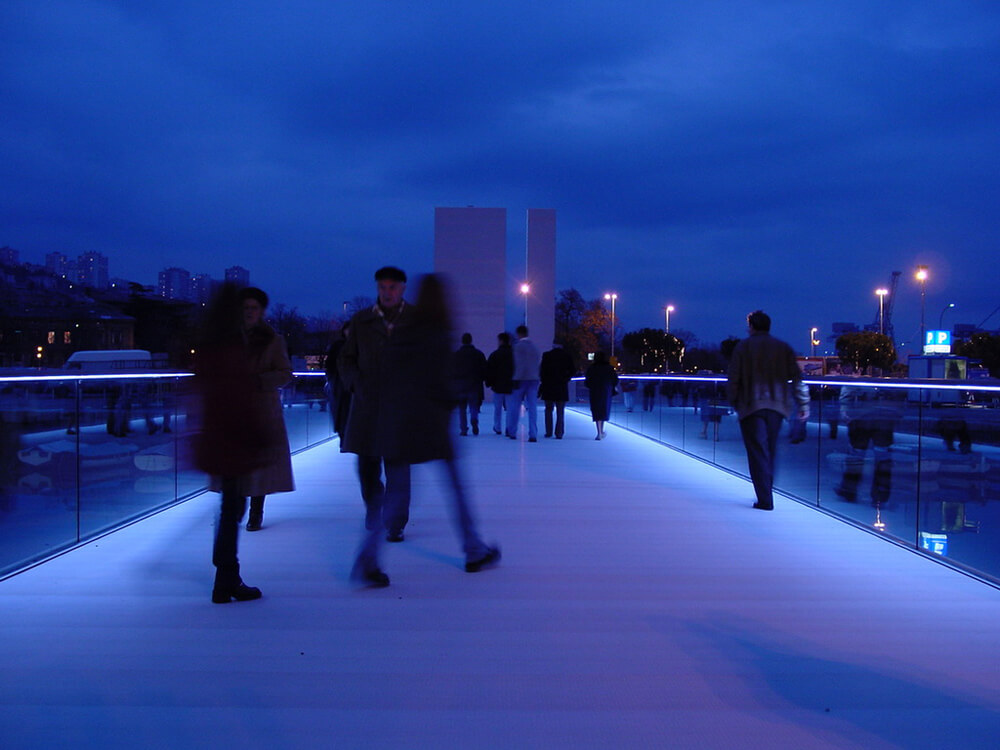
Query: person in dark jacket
[765, 386]
[601, 380]
[418, 399]
[555, 372]
[470, 372]
[232, 440]
[363, 371]
[500, 378]
[339, 396]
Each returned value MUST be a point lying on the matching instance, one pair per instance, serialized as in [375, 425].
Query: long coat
[555, 371]
[470, 372]
[601, 380]
[364, 370]
[270, 370]
[419, 397]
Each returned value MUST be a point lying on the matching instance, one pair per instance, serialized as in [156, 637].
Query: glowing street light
[525, 290]
[666, 312]
[881, 309]
[813, 341]
[922, 278]
[612, 296]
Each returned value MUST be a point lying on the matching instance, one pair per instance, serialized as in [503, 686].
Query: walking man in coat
[500, 378]
[555, 372]
[362, 368]
[526, 361]
[470, 372]
[764, 380]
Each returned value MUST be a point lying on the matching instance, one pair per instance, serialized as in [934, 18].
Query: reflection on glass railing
[918, 462]
[82, 455]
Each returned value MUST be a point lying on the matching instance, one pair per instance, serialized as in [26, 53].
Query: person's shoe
[463, 433]
[548, 434]
[532, 440]
[394, 536]
[372, 578]
[491, 558]
[758, 506]
[498, 432]
[241, 593]
[512, 437]
[255, 521]
[558, 437]
[475, 429]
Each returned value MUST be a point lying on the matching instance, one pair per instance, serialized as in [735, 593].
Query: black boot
[229, 586]
[256, 517]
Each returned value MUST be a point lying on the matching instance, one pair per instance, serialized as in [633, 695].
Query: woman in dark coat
[232, 441]
[415, 421]
[601, 380]
[269, 362]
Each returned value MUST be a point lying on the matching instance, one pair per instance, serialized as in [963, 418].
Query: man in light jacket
[526, 361]
[764, 380]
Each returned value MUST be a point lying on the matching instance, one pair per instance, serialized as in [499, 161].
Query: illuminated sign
[937, 342]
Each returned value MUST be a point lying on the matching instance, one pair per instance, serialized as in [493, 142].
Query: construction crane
[883, 314]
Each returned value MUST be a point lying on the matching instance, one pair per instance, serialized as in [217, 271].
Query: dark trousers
[224, 557]
[468, 411]
[760, 437]
[560, 426]
[388, 503]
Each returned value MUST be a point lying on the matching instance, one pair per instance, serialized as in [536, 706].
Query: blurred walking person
[418, 400]
[600, 380]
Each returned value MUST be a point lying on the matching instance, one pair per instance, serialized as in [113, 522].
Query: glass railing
[917, 462]
[83, 455]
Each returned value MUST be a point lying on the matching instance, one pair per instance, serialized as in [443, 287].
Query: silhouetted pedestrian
[600, 380]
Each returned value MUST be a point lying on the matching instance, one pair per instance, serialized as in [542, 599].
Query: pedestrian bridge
[640, 602]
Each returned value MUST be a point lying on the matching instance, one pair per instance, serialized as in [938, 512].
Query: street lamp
[813, 341]
[881, 309]
[922, 278]
[941, 318]
[666, 311]
[525, 289]
[612, 296]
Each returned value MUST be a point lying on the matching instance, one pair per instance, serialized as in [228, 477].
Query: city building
[174, 283]
[202, 288]
[238, 275]
[92, 270]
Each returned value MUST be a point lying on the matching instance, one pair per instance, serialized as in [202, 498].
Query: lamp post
[666, 312]
[881, 309]
[612, 296]
[813, 341]
[941, 318]
[525, 289]
[922, 278]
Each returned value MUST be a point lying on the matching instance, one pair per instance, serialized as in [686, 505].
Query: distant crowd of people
[393, 384]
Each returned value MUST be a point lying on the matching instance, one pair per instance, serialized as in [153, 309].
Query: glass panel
[38, 479]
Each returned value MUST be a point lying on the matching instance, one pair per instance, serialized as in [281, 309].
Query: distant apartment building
[174, 283]
[57, 263]
[238, 275]
[9, 256]
[92, 270]
[202, 288]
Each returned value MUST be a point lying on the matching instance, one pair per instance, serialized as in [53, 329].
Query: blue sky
[719, 156]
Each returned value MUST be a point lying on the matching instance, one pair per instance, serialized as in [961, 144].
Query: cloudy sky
[719, 156]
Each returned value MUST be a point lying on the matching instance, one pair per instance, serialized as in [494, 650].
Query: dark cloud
[720, 156]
